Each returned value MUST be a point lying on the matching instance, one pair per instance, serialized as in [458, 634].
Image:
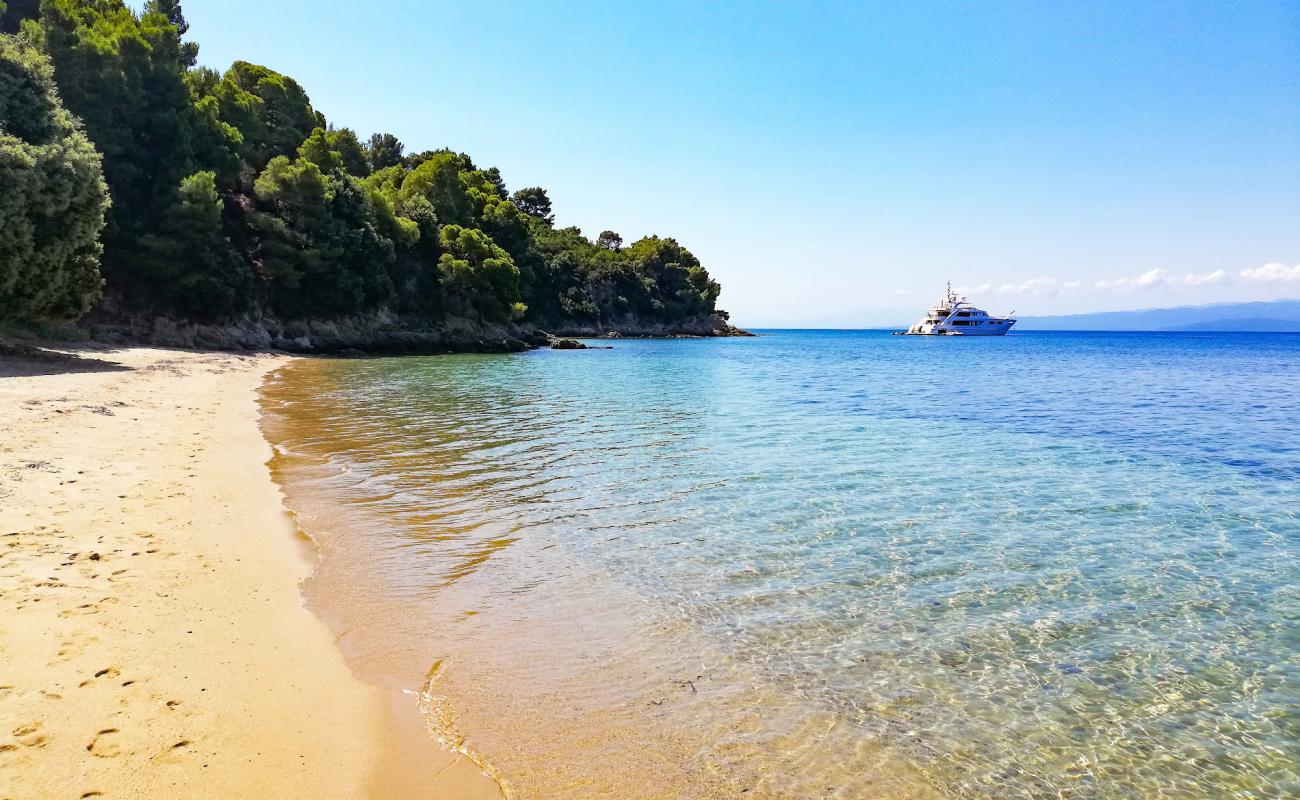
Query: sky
[835, 164]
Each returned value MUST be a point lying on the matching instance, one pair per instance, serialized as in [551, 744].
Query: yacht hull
[994, 329]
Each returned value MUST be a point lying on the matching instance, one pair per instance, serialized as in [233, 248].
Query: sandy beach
[153, 639]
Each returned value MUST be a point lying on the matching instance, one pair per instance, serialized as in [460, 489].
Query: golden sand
[153, 641]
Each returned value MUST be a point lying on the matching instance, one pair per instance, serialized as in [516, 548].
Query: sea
[836, 564]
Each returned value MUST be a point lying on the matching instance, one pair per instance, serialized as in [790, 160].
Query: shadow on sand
[23, 360]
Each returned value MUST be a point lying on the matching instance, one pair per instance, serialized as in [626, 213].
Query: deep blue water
[1041, 565]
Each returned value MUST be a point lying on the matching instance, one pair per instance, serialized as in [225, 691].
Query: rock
[377, 333]
[567, 344]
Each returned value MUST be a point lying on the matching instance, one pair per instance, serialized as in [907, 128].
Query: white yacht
[953, 316]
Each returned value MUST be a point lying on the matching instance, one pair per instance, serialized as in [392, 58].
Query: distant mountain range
[1273, 316]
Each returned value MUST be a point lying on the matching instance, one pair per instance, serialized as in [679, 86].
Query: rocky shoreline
[377, 334]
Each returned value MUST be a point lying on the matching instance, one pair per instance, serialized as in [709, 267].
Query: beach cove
[602, 574]
[153, 639]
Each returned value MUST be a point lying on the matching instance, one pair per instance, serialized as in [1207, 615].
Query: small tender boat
[953, 316]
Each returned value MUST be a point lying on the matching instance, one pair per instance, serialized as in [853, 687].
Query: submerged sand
[153, 640]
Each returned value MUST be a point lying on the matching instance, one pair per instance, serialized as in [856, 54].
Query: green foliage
[493, 176]
[171, 10]
[216, 144]
[680, 286]
[123, 74]
[479, 278]
[53, 200]
[320, 247]
[384, 150]
[609, 240]
[318, 151]
[200, 273]
[495, 215]
[653, 279]
[344, 141]
[534, 202]
[437, 180]
[272, 112]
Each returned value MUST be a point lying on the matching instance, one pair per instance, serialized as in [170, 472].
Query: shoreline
[379, 334]
[155, 638]
[541, 664]
[416, 762]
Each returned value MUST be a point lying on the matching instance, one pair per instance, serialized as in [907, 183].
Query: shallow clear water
[824, 563]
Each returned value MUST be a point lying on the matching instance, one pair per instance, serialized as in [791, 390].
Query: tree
[344, 141]
[271, 111]
[54, 197]
[609, 241]
[122, 75]
[498, 183]
[318, 242]
[534, 202]
[678, 286]
[201, 274]
[318, 151]
[479, 278]
[171, 9]
[438, 181]
[384, 150]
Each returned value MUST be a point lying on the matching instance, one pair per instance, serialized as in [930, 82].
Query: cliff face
[374, 334]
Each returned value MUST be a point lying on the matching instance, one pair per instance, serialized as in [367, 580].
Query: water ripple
[1043, 566]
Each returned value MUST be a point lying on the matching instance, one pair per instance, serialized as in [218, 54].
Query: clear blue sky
[835, 164]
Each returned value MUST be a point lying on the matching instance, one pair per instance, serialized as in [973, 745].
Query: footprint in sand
[105, 745]
[29, 735]
[88, 608]
[74, 646]
[108, 672]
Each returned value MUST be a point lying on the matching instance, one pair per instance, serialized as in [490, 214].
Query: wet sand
[558, 678]
[153, 638]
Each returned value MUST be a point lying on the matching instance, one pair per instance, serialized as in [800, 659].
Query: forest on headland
[139, 186]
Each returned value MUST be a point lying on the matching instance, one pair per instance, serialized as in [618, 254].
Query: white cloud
[1042, 287]
[1272, 273]
[902, 292]
[1151, 279]
[1216, 278]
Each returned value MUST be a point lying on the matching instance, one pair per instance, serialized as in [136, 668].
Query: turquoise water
[1045, 565]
